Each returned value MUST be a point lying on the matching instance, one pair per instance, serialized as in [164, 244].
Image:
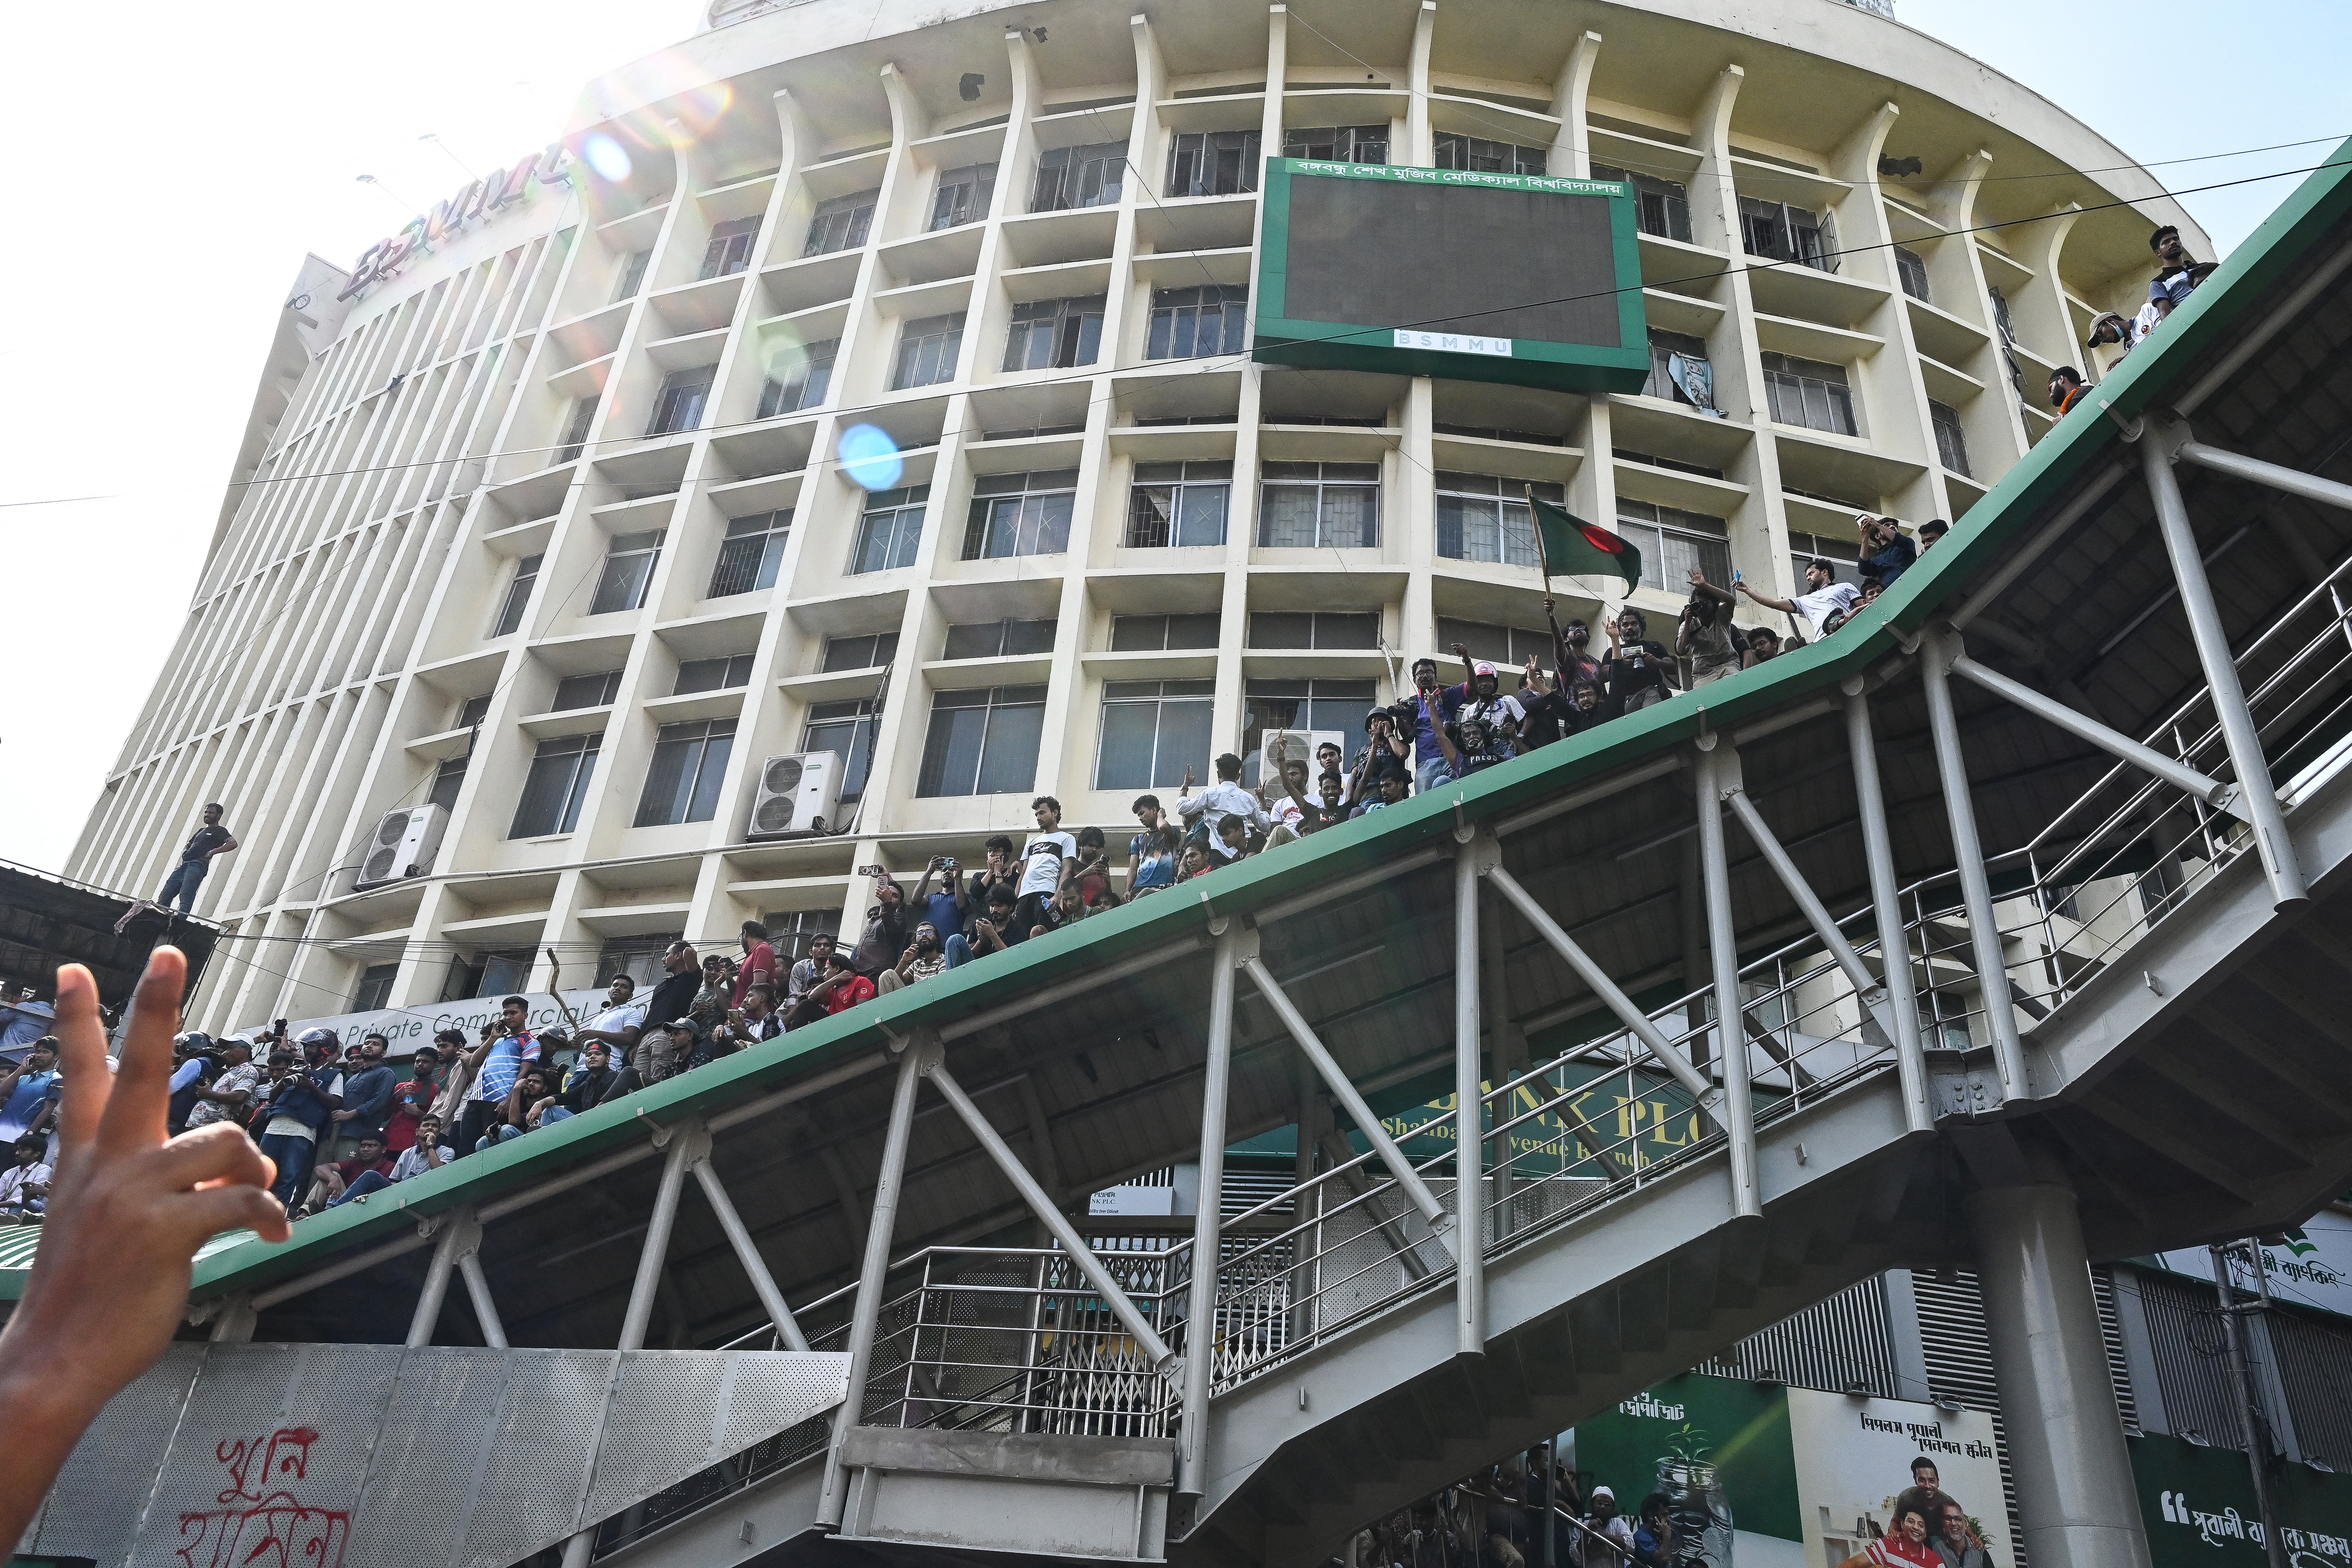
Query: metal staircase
[2028, 894]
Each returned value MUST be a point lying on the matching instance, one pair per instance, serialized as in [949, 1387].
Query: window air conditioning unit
[1298, 744]
[406, 843]
[799, 795]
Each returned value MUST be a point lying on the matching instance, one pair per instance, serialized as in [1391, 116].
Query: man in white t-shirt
[619, 1025]
[1824, 597]
[1045, 862]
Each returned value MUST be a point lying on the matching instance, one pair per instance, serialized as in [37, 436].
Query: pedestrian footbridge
[2009, 928]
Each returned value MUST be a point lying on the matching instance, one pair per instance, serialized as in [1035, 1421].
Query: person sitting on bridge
[25, 1186]
[588, 1083]
[330, 1180]
[807, 972]
[925, 957]
[747, 1025]
[840, 989]
[427, 1153]
[989, 931]
[514, 1112]
[1481, 748]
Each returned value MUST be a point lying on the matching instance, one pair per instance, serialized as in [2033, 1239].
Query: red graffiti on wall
[278, 1530]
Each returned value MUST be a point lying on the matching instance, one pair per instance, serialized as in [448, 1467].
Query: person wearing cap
[2177, 273]
[23, 1018]
[2107, 329]
[1607, 1522]
[1386, 751]
[232, 1089]
[2066, 389]
[301, 1108]
[192, 1059]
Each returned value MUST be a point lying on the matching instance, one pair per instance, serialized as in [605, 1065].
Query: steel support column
[1868, 994]
[2076, 1496]
[1201, 1308]
[2114, 743]
[1637, 1022]
[1936, 648]
[1469, 1112]
[1886, 908]
[872, 1274]
[456, 1229]
[747, 1252]
[2158, 446]
[477, 1291]
[1352, 1102]
[1040, 1204]
[1723, 951]
[2291, 481]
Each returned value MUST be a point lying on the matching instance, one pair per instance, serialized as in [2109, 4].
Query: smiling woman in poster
[1906, 1546]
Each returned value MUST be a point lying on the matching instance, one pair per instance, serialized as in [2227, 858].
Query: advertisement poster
[405, 1028]
[2200, 1508]
[1790, 1478]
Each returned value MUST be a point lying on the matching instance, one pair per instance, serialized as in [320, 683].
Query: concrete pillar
[2074, 1492]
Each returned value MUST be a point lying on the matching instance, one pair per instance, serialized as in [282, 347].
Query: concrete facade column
[2074, 1491]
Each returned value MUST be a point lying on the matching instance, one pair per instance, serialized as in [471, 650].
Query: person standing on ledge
[195, 860]
[126, 1210]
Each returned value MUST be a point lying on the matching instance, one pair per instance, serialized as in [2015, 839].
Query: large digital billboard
[1513, 277]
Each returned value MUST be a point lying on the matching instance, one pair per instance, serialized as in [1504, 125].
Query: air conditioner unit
[799, 795]
[1297, 745]
[406, 843]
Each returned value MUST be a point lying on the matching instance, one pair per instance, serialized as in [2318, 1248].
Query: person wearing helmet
[193, 1064]
[301, 1111]
[1387, 750]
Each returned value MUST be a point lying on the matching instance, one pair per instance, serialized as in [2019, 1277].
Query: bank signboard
[405, 1028]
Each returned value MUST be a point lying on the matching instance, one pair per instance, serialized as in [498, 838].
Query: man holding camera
[1885, 552]
[948, 909]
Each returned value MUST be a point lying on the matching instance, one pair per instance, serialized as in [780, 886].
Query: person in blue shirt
[25, 1088]
[948, 911]
[367, 1097]
[1150, 854]
[1885, 552]
[1653, 1535]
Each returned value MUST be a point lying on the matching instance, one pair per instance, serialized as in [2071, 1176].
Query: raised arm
[1786, 607]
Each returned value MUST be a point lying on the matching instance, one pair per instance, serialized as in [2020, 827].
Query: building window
[1698, 372]
[1504, 646]
[1951, 445]
[891, 528]
[1310, 705]
[575, 434]
[1078, 177]
[558, 783]
[752, 554]
[638, 957]
[1339, 144]
[798, 378]
[447, 779]
[1213, 163]
[628, 573]
[1194, 323]
[1156, 634]
[927, 351]
[1672, 542]
[1020, 514]
[1320, 505]
[1913, 271]
[1326, 629]
[633, 275]
[867, 650]
[683, 394]
[1480, 518]
[1048, 334]
[1838, 555]
[713, 674]
[1783, 233]
[1455, 151]
[574, 692]
[1178, 505]
[1808, 394]
[840, 224]
[791, 933]
[472, 711]
[963, 195]
[729, 250]
[998, 639]
[1152, 731]
[1661, 207]
[517, 596]
[501, 974]
[375, 987]
[847, 729]
[982, 741]
[689, 764]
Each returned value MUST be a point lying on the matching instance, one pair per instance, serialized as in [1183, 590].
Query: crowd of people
[1500, 1517]
[341, 1121]
[2178, 275]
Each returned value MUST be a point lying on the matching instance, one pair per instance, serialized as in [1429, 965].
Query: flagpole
[1542, 555]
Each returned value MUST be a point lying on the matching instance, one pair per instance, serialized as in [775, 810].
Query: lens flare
[607, 157]
[870, 457]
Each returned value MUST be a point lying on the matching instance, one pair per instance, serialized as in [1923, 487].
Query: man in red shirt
[839, 991]
[411, 1102]
[328, 1182]
[758, 966]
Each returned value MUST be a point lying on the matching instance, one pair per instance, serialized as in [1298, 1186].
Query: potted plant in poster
[1697, 1503]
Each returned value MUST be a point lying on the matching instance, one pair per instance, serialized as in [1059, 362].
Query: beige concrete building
[546, 521]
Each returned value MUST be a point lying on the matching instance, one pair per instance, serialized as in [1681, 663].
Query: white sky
[177, 162]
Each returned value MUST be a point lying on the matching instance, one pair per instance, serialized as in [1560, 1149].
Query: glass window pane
[1281, 629]
[1123, 758]
[1350, 517]
[951, 750]
[1183, 742]
[1202, 518]
[1347, 630]
[1192, 631]
[1286, 517]
[1008, 764]
[1138, 634]
[1029, 636]
[669, 777]
[1149, 508]
[704, 802]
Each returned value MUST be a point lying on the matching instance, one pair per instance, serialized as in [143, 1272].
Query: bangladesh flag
[1574, 548]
